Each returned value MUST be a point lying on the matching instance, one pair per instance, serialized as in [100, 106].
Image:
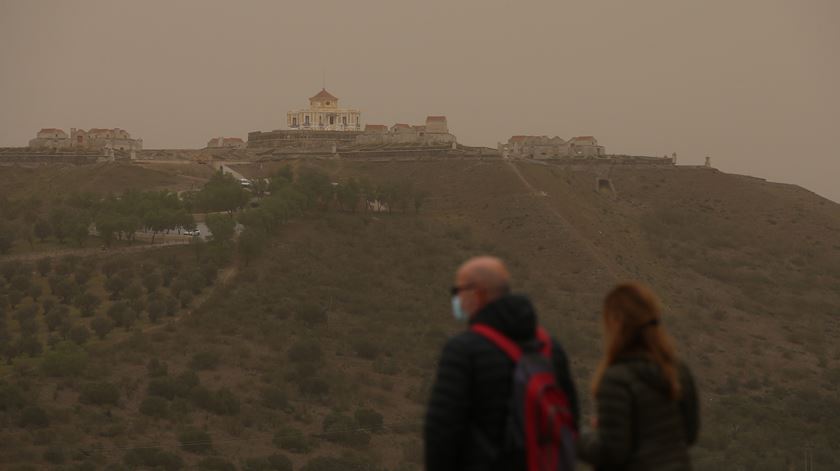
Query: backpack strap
[545, 339]
[499, 339]
[507, 345]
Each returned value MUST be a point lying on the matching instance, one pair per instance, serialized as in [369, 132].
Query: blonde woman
[646, 400]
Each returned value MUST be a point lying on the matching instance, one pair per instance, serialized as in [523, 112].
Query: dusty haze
[752, 83]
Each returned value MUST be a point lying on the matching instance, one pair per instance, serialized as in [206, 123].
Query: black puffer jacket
[465, 422]
[639, 427]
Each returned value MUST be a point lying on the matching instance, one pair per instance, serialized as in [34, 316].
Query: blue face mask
[458, 312]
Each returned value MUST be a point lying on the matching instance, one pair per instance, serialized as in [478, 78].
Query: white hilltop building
[324, 114]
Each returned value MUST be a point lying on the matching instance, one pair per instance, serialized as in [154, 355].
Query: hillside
[19, 182]
[342, 316]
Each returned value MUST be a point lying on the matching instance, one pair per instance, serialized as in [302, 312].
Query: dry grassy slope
[19, 182]
[732, 244]
[749, 270]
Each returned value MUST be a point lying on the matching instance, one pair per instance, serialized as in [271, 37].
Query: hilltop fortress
[325, 127]
[323, 130]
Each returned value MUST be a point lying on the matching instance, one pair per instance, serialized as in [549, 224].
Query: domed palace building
[324, 115]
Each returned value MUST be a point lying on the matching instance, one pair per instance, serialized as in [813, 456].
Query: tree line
[288, 195]
[76, 217]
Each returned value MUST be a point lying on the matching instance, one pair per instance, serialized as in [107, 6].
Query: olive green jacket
[639, 427]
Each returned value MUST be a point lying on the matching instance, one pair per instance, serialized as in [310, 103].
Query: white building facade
[324, 114]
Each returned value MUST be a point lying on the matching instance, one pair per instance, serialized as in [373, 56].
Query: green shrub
[196, 282]
[369, 419]
[178, 286]
[11, 397]
[335, 463]
[79, 334]
[195, 441]
[314, 387]
[122, 313]
[152, 281]
[152, 458]
[48, 302]
[205, 361]
[214, 463]
[35, 292]
[57, 317]
[305, 351]
[274, 462]
[163, 387]
[172, 387]
[311, 315]
[342, 429]
[833, 377]
[279, 462]
[102, 326]
[386, 366]
[156, 309]
[274, 398]
[54, 455]
[29, 345]
[33, 416]
[66, 359]
[185, 298]
[100, 393]
[225, 402]
[291, 439]
[155, 406]
[366, 349]
[44, 265]
[156, 368]
[222, 402]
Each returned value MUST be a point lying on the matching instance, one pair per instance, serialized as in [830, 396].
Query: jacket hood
[512, 315]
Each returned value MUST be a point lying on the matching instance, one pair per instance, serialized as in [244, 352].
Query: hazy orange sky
[752, 83]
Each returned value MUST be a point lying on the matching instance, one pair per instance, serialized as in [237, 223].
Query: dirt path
[612, 269]
[233, 172]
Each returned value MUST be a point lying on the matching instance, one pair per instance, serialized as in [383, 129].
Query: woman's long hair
[632, 324]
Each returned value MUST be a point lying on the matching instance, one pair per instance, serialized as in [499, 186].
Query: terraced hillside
[318, 354]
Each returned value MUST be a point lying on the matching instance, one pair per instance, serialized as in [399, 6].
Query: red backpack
[540, 422]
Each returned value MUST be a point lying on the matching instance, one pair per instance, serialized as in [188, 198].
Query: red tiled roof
[584, 138]
[435, 118]
[377, 127]
[234, 139]
[519, 138]
[51, 130]
[324, 95]
[402, 125]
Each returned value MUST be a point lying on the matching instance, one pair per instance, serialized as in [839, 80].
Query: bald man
[468, 409]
